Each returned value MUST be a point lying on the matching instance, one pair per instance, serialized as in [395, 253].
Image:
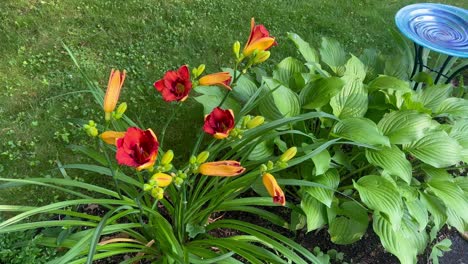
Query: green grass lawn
[42, 103]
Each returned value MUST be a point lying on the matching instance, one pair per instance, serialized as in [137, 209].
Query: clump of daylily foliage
[352, 140]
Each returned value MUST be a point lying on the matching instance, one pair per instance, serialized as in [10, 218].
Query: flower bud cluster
[91, 129]
[281, 163]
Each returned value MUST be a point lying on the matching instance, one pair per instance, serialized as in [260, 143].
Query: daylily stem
[116, 183]
[163, 132]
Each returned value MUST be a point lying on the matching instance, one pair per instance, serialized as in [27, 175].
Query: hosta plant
[392, 157]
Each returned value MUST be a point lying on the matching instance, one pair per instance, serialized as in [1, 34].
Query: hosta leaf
[404, 126]
[262, 150]
[436, 208]
[437, 149]
[418, 211]
[286, 69]
[244, 89]
[350, 226]
[309, 54]
[435, 174]
[460, 132]
[431, 97]
[325, 196]
[423, 77]
[321, 162]
[333, 54]
[381, 195]
[392, 160]
[314, 211]
[397, 66]
[210, 101]
[352, 100]
[319, 92]
[384, 82]
[452, 196]
[281, 103]
[462, 182]
[453, 219]
[361, 130]
[457, 107]
[405, 243]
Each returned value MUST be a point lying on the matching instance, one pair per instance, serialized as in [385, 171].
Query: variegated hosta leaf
[437, 149]
[362, 130]
[392, 160]
[380, 194]
[330, 179]
[404, 126]
[405, 243]
[350, 226]
[314, 211]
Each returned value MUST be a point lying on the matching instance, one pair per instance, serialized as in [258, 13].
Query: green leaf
[333, 55]
[309, 54]
[419, 213]
[392, 160]
[318, 93]
[285, 70]
[423, 77]
[321, 162]
[452, 196]
[351, 226]
[281, 103]
[314, 211]
[362, 130]
[381, 195]
[244, 89]
[384, 82]
[405, 243]
[436, 208]
[352, 100]
[454, 219]
[325, 196]
[431, 97]
[456, 107]
[397, 65]
[404, 126]
[459, 132]
[438, 250]
[435, 174]
[262, 150]
[437, 149]
[194, 229]
[212, 97]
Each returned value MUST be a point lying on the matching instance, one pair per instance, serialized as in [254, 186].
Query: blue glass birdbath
[438, 27]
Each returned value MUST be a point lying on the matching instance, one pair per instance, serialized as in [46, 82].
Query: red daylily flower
[259, 39]
[175, 85]
[220, 78]
[219, 123]
[138, 148]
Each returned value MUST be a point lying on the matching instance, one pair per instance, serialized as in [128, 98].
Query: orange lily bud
[116, 80]
[220, 78]
[273, 189]
[110, 137]
[162, 179]
[225, 168]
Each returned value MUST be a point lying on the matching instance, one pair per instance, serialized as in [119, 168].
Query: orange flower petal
[116, 80]
[110, 137]
[273, 189]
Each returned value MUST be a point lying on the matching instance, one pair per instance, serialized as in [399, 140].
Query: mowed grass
[43, 102]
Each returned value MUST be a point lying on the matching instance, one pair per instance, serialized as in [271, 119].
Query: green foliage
[23, 248]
